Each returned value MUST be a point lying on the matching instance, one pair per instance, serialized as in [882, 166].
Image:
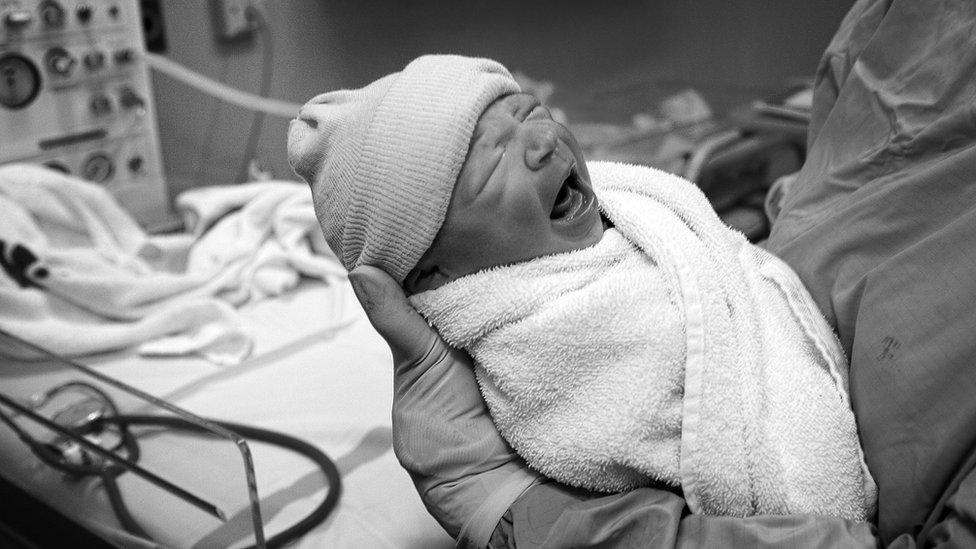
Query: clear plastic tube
[275, 107]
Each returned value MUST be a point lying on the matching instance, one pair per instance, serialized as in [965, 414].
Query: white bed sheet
[330, 387]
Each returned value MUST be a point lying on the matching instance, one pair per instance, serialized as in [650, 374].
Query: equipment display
[75, 95]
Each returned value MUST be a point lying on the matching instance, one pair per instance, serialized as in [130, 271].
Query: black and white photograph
[487, 274]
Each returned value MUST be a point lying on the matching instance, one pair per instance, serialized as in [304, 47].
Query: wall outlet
[233, 19]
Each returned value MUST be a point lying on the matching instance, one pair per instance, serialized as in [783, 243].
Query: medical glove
[465, 472]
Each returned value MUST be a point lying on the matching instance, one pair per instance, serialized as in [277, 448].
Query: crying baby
[622, 335]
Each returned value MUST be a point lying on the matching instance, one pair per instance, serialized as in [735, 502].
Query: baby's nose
[540, 146]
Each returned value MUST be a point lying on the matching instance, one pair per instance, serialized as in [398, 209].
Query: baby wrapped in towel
[622, 335]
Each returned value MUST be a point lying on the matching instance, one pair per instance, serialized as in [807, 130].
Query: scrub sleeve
[880, 225]
[555, 516]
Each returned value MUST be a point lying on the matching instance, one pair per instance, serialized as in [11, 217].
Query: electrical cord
[208, 140]
[267, 75]
[227, 94]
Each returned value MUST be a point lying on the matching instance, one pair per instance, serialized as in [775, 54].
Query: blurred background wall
[730, 51]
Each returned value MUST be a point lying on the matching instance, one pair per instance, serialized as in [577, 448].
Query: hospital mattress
[318, 372]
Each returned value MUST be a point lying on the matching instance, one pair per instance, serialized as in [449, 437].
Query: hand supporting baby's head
[442, 170]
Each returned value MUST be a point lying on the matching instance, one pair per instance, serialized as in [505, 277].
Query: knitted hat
[382, 160]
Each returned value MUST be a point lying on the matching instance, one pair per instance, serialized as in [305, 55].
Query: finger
[409, 336]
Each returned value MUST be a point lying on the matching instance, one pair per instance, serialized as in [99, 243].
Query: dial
[52, 14]
[98, 167]
[94, 60]
[84, 14]
[129, 98]
[59, 61]
[136, 164]
[18, 19]
[100, 104]
[20, 81]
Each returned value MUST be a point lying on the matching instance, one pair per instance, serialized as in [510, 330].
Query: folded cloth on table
[80, 276]
[671, 351]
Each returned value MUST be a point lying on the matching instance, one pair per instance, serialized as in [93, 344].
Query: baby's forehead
[509, 101]
[503, 106]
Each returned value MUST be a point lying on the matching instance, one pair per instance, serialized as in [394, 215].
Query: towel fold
[80, 276]
[673, 351]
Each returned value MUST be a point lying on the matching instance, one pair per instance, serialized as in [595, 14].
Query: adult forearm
[552, 515]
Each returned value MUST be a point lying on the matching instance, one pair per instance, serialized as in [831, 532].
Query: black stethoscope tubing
[52, 456]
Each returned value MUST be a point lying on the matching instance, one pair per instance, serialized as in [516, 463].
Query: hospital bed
[317, 371]
[76, 97]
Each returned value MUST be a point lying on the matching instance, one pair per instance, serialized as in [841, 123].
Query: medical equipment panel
[75, 95]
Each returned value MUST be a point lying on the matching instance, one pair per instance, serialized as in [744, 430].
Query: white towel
[672, 351]
[81, 277]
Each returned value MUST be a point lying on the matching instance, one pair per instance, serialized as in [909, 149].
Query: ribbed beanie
[382, 160]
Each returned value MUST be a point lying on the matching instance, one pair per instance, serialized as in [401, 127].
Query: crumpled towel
[672, 351]
[80, 276]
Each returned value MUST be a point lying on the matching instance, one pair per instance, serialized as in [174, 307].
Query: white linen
[82, 277]
[318, 371]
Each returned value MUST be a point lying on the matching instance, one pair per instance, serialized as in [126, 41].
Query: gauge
[98, 168]
[52, 14]
[59, 61]
[20, 81]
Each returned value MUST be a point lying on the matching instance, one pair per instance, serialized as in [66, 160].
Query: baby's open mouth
[571, 198]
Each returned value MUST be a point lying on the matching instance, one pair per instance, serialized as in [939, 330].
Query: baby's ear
[422, 279]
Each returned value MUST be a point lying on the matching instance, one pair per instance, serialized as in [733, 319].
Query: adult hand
[465, 473]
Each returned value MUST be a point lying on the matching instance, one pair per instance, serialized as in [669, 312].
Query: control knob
[124, 56]
[100, 104]
[59, 61]
[17, 19]
[52, 14]
[94, 60]
[98, 167]
[129, 99]
[84, 14]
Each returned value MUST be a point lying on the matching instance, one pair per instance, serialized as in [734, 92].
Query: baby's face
[523, 192]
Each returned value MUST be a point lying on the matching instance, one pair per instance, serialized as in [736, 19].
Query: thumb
[409, 336]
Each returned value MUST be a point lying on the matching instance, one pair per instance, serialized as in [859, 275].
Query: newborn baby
[622, 335]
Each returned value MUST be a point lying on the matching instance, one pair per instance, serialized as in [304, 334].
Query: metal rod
[255, 502]
[177, 491]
